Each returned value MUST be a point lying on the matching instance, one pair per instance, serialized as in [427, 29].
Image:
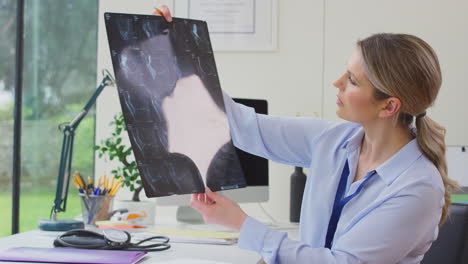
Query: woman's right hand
[163, 11]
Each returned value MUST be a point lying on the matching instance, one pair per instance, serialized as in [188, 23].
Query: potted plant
[112, 148]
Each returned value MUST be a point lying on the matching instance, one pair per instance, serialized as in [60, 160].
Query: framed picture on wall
[235, 25]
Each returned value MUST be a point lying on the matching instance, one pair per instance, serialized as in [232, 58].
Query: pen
[77, 181]
[105, 182]
[97, 191]
[113, 192]
[118, 181]
[81, 180]
[77, 185]
[113, 189]
[99, 182]
[112, 183]
[90, 187]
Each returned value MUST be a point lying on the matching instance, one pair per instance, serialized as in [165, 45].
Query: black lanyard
[340, 202]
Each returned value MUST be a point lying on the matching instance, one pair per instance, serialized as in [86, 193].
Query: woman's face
[355, 100]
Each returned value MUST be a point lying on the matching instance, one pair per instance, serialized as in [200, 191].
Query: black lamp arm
[68, 129]
[106, 81]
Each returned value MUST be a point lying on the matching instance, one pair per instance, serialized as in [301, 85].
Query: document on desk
[71, 255]
[192, 236]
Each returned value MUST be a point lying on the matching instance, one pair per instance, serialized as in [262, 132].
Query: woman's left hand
[217, 209]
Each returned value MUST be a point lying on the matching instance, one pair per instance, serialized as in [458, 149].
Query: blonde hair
[406, 67]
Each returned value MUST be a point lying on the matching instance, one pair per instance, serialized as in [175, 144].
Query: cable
[275, 225]
[269, 216]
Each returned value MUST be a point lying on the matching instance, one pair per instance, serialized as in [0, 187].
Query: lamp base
[60, 224]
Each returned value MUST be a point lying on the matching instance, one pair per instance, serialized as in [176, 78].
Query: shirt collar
[396, 164]
[399, 162]
[353, 142]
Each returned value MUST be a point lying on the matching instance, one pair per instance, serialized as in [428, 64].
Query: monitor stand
[187, 214]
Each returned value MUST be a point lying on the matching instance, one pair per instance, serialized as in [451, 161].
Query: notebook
[71, 255]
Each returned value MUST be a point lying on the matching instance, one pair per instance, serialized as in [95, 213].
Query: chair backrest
[451, 246]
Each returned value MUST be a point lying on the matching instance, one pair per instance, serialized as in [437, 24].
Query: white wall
[442, 23]
[315, 39]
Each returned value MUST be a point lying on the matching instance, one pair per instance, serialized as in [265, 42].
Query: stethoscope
[110, 239]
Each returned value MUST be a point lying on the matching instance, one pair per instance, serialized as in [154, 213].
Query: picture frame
[235, 25]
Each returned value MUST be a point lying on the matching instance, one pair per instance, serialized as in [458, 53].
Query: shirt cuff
[252, 235]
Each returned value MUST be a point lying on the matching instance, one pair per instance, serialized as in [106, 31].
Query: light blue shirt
[393, 220]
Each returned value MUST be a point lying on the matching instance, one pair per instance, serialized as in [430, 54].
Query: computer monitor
[255, 170]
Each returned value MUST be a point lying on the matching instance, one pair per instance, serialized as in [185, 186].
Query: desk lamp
[68, 129]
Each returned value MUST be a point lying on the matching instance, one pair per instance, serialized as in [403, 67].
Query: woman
[378, 188]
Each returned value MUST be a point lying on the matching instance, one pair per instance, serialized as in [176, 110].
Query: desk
[210, 253]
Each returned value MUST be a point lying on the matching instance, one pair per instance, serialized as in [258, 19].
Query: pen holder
[96, 207]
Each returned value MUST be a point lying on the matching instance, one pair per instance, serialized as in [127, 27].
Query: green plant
[114, 148]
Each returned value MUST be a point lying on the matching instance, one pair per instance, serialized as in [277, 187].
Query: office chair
[451, 247]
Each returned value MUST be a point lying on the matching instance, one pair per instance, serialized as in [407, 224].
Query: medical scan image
[173, 105]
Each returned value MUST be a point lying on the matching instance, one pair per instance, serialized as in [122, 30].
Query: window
[59, 76]
[7, 78]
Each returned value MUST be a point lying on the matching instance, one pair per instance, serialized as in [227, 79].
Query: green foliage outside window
[59, 76]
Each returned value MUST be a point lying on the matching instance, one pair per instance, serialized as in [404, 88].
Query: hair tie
[423, 114]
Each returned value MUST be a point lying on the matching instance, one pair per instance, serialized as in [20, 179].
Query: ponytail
[406, 67]
[431, 140]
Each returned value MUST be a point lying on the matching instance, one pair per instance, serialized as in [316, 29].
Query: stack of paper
[192, 236]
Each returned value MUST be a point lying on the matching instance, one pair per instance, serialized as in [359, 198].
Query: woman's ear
[391, 107]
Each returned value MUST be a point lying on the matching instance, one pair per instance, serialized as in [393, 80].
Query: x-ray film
[172, 104]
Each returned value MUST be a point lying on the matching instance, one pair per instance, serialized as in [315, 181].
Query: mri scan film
[172, 104]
